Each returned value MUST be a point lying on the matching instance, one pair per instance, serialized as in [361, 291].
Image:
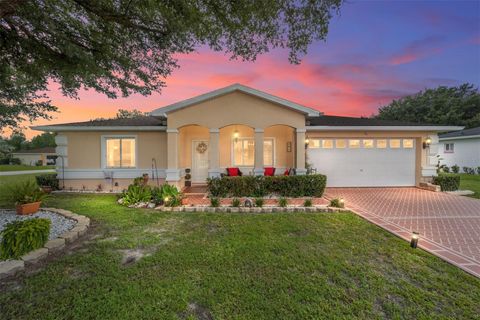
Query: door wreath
[201, 147]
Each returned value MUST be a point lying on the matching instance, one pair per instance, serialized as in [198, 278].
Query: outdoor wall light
[427, 143]
[307, 142]
[414, 240]
[236, 134]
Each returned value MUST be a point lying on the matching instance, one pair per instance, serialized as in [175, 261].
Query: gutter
[383, 128]
[98, 128]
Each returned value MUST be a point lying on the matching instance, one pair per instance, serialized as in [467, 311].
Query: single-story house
[461, 148]
[31, 157]
[238, 126]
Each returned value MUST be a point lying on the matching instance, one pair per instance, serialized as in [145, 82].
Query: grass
[17, 178]
[22, 167]
[238, 266]
[470, 182]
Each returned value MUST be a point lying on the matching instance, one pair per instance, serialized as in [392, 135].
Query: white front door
[199, 161]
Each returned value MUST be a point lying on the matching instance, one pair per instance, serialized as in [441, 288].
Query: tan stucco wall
[84, 148]
[419, 136]
[281, 134]
[235, 108]
[92, 184]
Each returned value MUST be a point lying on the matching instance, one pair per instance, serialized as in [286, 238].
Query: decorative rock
[234, 209]
[10, 267]
[245, 210]
[55, 244]
[267, 210]
[200, 209]
[35, 256]
[300, 209]
[189, 209]
[151, 205]
[69, 236]
[257, 209]
[211, 209]
[80, 228]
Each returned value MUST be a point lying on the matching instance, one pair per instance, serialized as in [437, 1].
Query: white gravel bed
[59, 225]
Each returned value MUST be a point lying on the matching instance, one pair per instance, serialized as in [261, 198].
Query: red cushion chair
[269, 171]
[234, 172]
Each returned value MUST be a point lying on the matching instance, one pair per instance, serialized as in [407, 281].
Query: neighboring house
[30, 157]
[238, 126]
[461, 148]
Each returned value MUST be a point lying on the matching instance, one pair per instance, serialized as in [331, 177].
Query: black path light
[414, 240]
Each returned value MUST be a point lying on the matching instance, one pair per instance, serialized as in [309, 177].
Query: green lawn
[238, 266]
[470, 182]
[22, 167]
[17, 178]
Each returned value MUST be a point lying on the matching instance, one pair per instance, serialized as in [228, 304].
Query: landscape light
[414, 240]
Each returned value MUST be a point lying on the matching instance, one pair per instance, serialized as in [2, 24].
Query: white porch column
[214, 153]
[300, 151]
[258, 169]
[172, 172]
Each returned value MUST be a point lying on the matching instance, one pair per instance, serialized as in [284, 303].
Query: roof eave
[459, 137]
[384, 128]
[98, 128]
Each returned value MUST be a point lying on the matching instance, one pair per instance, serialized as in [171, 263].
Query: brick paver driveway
[449, 225]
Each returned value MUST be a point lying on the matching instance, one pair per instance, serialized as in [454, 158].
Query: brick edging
[266, 209]
[11, 267]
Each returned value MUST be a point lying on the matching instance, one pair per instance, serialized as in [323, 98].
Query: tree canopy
[129, 46]
[443, 105]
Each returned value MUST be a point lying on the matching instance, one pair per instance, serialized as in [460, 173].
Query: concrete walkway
[449, 225]
[16, 173]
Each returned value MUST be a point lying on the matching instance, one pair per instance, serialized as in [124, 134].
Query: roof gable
[232, 88]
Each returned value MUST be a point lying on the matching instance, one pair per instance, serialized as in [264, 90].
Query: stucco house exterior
[30, 157]
[461, 148]
[238, 126]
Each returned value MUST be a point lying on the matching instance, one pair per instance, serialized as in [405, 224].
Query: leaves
[124, 47]
[443, 105]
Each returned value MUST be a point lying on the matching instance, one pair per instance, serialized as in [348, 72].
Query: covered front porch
[197, 152]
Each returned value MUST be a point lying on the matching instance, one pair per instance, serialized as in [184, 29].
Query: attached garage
[373, 162]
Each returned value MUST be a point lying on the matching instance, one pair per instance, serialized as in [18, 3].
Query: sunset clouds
[375, 52]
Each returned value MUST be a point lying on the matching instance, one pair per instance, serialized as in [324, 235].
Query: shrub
[282, 202]
[478, 170]
[214, 202]
[15, 161]
[39, 163]
[259, 202]
[337, 203]
[49, 180]
[447, 182]
[135, 194]
[21, 237]
[445, 169]
[235, 202]
[468, 170]
[307, 203]
[172, 197]
[22, 192]
[455, 169]
[250, 186]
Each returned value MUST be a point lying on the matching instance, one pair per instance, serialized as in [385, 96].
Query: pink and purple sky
[376, 51]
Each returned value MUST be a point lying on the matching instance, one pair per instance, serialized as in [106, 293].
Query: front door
[199, 161]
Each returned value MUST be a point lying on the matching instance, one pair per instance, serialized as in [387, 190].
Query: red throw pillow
[287, 172]
[269, 171]
[233, 172]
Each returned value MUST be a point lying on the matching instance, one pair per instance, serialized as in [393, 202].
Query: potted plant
[26, 196]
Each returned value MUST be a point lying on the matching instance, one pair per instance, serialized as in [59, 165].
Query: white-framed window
[368, 143]
[120, 152]
[381, 143]
[407, 143]
[314, 144]
[244, 152]
[395, 143]
[354, 143]
[327, 144]
[340, 143]
[449, 148]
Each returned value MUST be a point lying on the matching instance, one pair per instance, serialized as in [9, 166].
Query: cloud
[419, 49]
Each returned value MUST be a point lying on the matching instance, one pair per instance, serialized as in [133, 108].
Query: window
[354, 143]
[340, 144]
[120, 152]
[314, 144]
[244, 152]
[448, 147]
[394, 143]
[327, 144]
[408, 143]
[381, 143]
[368, 143]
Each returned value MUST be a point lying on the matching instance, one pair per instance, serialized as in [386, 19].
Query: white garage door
[364, 162]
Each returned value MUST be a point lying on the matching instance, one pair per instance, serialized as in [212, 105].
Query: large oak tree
[120, 47]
